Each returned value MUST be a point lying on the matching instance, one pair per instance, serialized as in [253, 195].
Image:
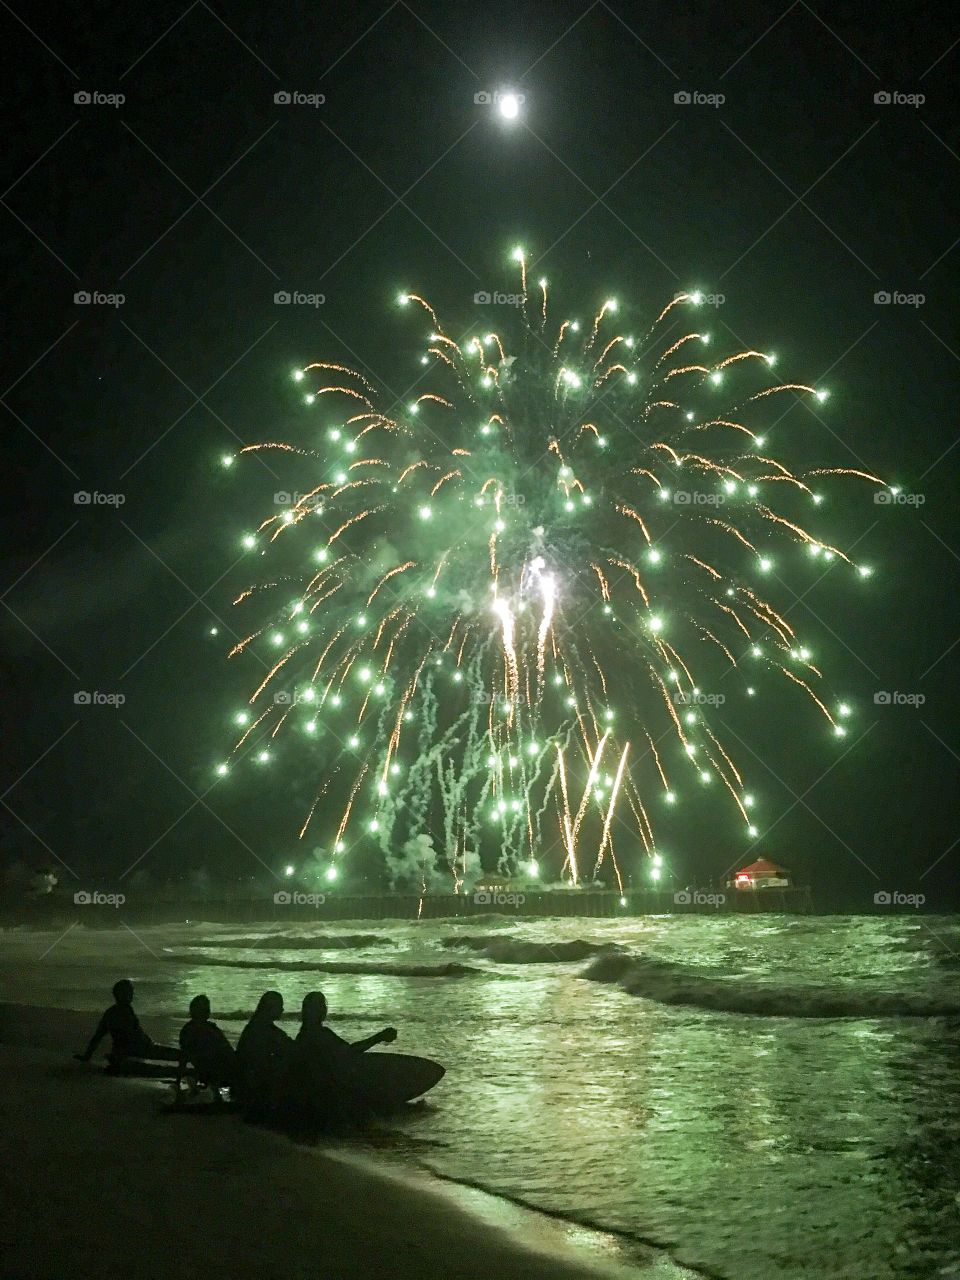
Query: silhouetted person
[128, 1037]
[317, 1039]
[203, 1044]
[322, 1083]
[262, 1051]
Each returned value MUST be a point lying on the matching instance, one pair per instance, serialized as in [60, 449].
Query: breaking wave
[286, 942]
[449, 970]
[522, 951]
[672, 984]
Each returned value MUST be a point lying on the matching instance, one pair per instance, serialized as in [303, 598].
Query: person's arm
[386, 1036]
[101, 1031]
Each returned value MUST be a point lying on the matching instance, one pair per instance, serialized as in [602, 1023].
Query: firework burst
[489, 610]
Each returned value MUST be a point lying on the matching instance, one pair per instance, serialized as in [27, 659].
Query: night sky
[799, 198]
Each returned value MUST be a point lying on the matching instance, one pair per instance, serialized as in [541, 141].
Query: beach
[734, 1097]
[97, 1178]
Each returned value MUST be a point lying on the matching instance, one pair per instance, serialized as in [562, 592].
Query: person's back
[204, 1044]
[128, 1038]
[262, 1051]
[327, 1063]
[322, 1082]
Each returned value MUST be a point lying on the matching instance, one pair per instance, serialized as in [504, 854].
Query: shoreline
[119, 1186]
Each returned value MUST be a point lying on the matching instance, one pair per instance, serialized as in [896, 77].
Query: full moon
[509, 106]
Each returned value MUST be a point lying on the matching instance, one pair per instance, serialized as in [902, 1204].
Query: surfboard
[390, 1079]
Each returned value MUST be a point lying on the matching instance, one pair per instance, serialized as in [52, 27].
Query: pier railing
[169, 906]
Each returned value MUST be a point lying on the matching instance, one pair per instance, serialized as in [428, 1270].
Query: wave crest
[287, 942]
[523, 951]
[671, 984]
[451, 969]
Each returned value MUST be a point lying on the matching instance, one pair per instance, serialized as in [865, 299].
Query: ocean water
[757, 1096]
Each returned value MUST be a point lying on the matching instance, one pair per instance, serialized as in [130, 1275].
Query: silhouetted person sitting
[203, 1044]
[318, 1040]
[262, 1051]
[129, 1040]
[322, 1082]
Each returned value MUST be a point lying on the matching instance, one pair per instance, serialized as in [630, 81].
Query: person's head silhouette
[270, 1006]
[123, 991]
[314, 1008]
[200, 1009]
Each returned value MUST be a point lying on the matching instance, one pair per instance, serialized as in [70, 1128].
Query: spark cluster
[495, 623]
